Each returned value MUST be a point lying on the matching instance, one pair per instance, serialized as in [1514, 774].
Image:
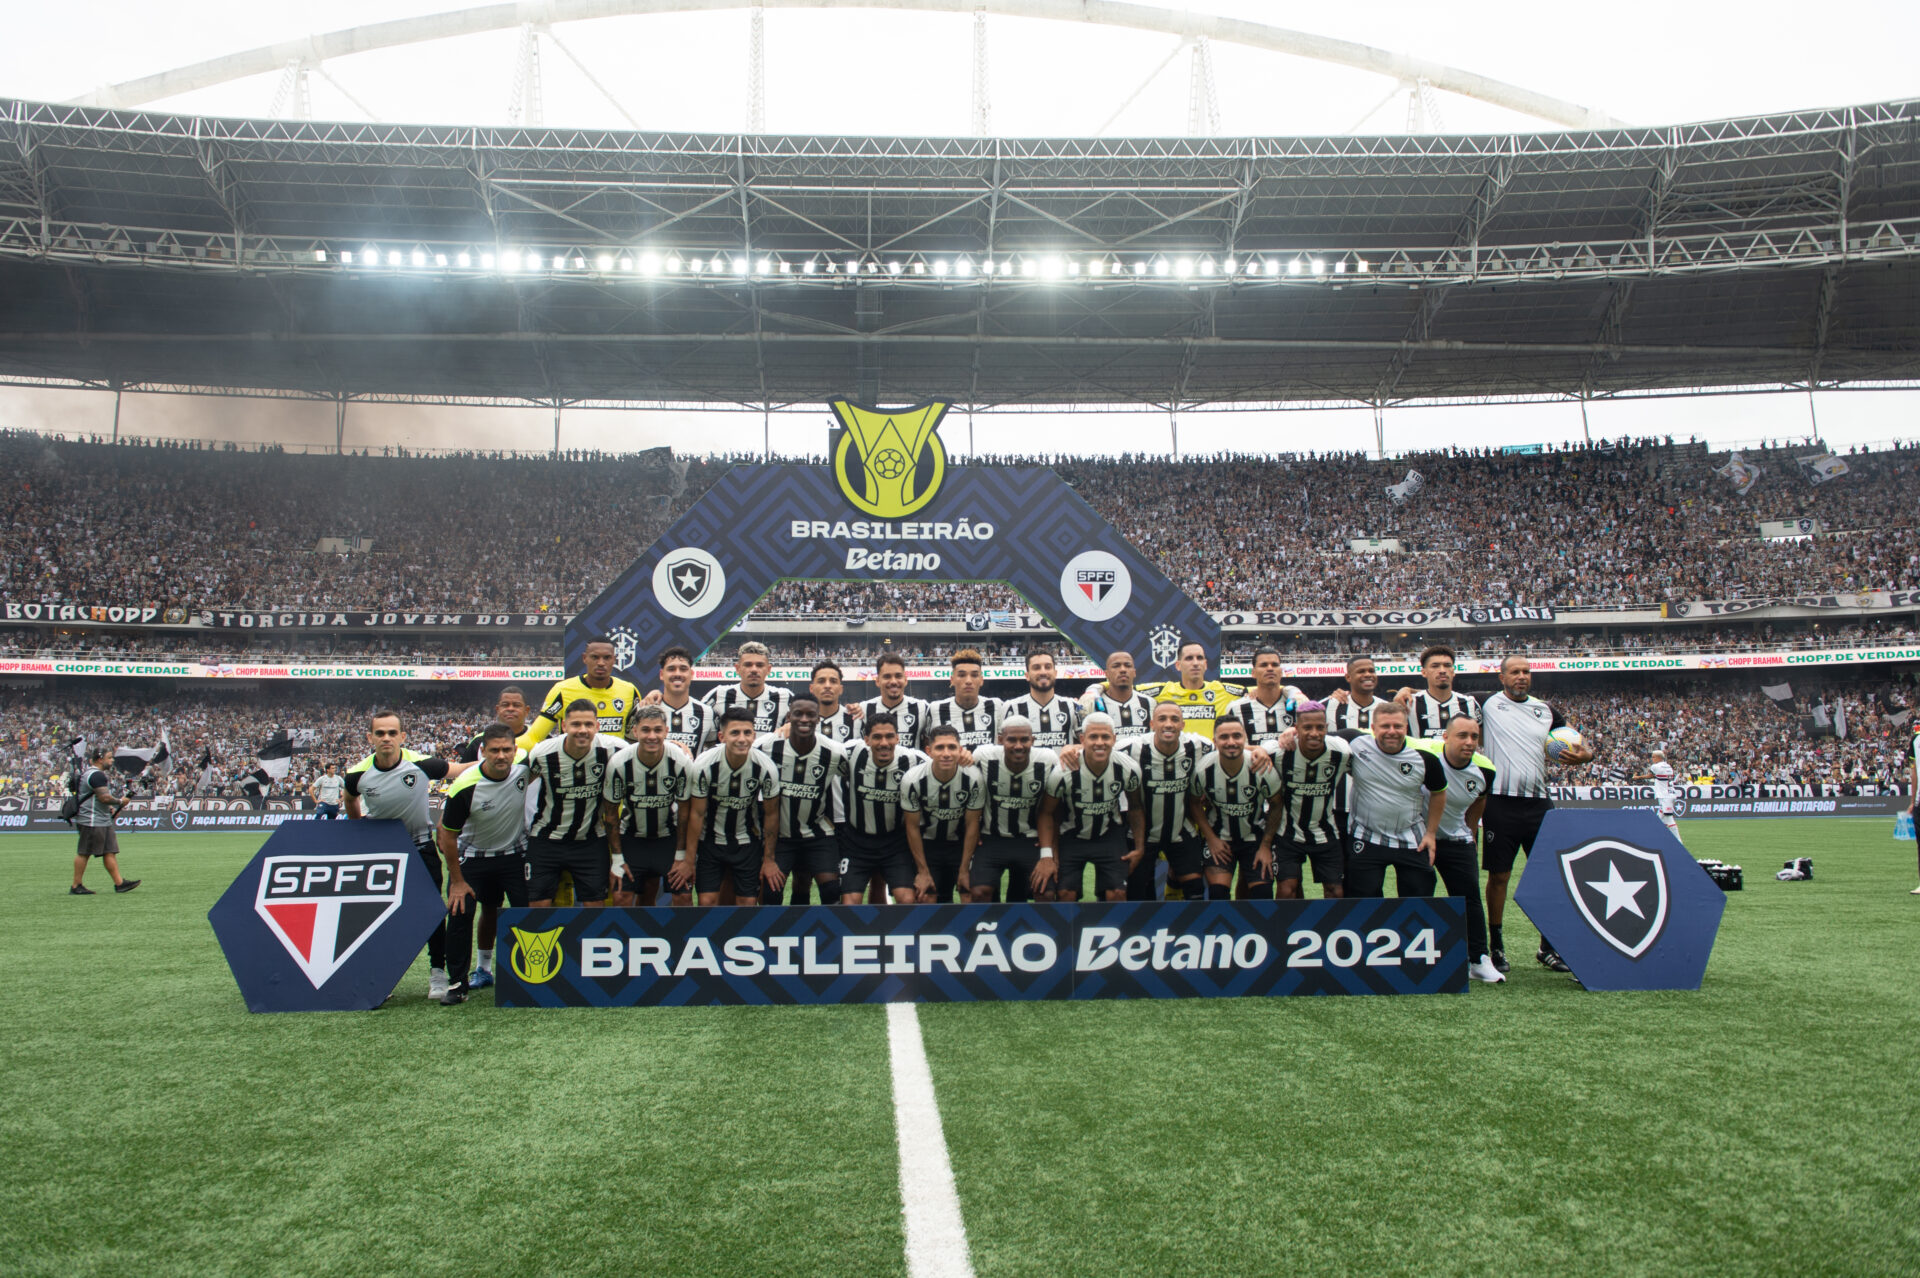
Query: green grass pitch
[1762, 1125]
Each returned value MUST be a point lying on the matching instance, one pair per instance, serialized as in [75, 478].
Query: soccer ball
[890, 464]
[1559, 740]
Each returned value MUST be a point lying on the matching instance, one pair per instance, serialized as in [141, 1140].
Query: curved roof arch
[1140, 17]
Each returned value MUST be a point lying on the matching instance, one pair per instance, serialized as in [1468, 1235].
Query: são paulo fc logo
[323, 908]
[1620, 890]
[1095, 585]
[688, 582]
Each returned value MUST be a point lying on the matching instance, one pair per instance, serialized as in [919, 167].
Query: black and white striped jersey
[1388, 798]
[1165, 781]
[1090, 805]
[910, 716]
[570, 788]
[1346, 716]
[1056, 722]
[840, 727]
[976, 724]
[1264, 722]
[769, 708]
[1132, 714]
[1310, 789]
[1012, 794]
[691, 726]
[873, 789]
[649, 795]
[733, 795]
[1516, 740]
[942, 805]
[1429, 716]
[806, 785]
[1236, 802]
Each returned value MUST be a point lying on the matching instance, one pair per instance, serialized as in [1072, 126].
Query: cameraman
[94, 820]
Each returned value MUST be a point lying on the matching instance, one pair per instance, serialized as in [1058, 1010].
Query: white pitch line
[929, 1203]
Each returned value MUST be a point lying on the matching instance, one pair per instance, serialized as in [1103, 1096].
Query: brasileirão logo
[889, 462]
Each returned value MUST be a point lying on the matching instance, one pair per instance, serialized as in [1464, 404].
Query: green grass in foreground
[1758, 1126]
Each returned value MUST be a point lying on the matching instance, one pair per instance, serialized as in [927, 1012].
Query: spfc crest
[323, 908]
[1621, 892]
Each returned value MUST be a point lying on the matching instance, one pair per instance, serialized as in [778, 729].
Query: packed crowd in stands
[543, 648]
[1630, 523]
[1724, 728]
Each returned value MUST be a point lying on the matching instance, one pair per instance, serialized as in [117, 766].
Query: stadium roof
[151, 250]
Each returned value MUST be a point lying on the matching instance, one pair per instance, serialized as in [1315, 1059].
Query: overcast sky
[866, 72]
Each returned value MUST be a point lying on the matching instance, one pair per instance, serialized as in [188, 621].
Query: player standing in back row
[1054, 720]
[968, 713]
[1516, 724]
[1200, 699]
[1429, 712]
[612, 698]
[769, 705]
[909, 713]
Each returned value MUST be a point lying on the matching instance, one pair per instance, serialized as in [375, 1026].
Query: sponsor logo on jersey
[1621, 892]
[536, 955]
[888, 463]
[323, 908]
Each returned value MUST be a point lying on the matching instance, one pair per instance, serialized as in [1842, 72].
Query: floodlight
[1006, 266]
[1096, 267]
[346, 258]
[465, 260]
[1227, 266]
[649, 264]
[419, 258]
[626, 264]
[673, 263]
[393, 257]
[894, 268]
[919, 268]
[1363, 265]
[963, 267]
[1073, 267]
[807, 267]
[1183, 267]
[1160, 266]
[319, 255]
[1319, 267]
[941, 266]
[604, 262]
[486, 261]
[1340, 267]
[853, 266]
[766, 265]
[741, 266]
[1293, 267]
[579, 263]
[1139, 268]
[559, 261]
[1029, 267]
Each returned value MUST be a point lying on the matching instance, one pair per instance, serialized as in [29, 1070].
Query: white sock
[486, 960]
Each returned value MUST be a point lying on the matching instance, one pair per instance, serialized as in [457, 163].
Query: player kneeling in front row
[1013, 778]
[1310, 766]
[1089, 814]
[483, 835]
[643, 804]
[733, 823]
[940, 804]
[872, 842]
[1229, 803]
[565, 835]
[1456, 852]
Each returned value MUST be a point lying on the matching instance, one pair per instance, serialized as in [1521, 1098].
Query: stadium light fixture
[1183, 267]
[1227, 266]
[1161, 266]
[649, 263]
[626, 264]
[1006, 266]
[741, 266]
[1073, 268]
[766, 265]
[895, 267]
[559, 262]
[1319, 267]
[919, 268]
[579, 263]
[786, 268]
[1029, 268]
[319, 255]
[1362, 264]
[486, 261]
[419, 258]
[464, 260]
[673, 263]
[963, 268]
[1340, 267]
[853, 266]
[941, 267]
[346, 257]
[393, 257]
[1096, 267]
[603, 262]
[1295, 267]
[809, 266]
[1139, 268]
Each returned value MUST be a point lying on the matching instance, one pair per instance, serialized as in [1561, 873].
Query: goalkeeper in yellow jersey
[613, 699]
[1201, 700]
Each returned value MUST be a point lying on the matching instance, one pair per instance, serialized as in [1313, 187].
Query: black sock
[1219, 891]
[1499, 941]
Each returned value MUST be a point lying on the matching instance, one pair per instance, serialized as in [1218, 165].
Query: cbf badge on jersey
[327, 917]
[1622, 901]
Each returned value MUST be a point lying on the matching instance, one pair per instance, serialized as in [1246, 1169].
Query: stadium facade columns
[889, 507]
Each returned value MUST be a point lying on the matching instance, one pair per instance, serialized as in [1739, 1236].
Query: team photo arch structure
[892, 507]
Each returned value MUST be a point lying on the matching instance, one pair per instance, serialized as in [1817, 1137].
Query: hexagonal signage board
[327, 917]
[1621, 900]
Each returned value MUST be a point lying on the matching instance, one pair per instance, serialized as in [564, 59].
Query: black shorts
[1185, 857]
[865, 857]
[811, 855]
[997, 856]
[1510, 824]
[719, 861]
[1329, 861]
[1103, 854]
[648, 858]
[943, 862]
[1243, 853]
[585, 859]
[497, 879]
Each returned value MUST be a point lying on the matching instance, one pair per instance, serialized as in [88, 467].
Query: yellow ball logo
[536, 955]
[889, 464]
